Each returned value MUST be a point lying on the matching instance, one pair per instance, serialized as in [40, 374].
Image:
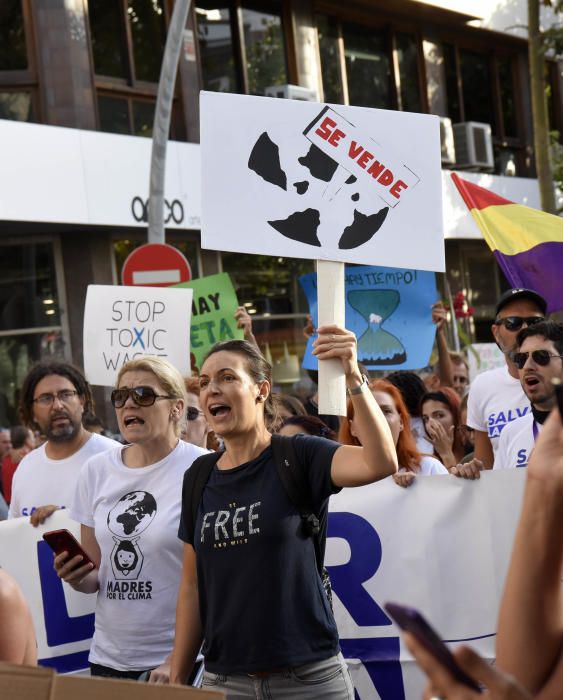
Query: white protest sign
[63, 619]
[122, 323]
[328, 182]
[490, 357]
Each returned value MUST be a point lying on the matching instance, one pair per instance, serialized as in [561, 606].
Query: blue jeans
[328, 679]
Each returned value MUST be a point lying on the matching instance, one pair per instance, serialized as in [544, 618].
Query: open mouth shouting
[219, 410]
[129, 421]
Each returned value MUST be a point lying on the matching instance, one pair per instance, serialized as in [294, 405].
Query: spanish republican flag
[527, 243]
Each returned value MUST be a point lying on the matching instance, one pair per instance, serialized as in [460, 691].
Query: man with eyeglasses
[539, 358]
[496, 397]
[54, 397]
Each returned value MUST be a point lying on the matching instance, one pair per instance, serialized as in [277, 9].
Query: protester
[5, 442]
[53, 399]
[467, 433]
[496, 397]
[196, 428]
[529, 644]
[128, 503]
[460, 373]
[250, 584]
[17, 637]
[539, 359]
[312, 403]
[445, 371]
[288, 406]
[306, 425]
[440, 414]
[412, 390]
[244, 322]
[411, 462]
[92, 423]
[23, 441]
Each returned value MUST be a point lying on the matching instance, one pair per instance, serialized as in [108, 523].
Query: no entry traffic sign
[155, 265]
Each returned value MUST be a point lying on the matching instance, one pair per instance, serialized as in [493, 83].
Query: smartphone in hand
[411, 620]
[64, 541]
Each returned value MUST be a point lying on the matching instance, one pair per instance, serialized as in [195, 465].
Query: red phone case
[64, 541]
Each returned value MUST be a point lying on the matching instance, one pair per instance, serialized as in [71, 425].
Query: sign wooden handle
[331, 305]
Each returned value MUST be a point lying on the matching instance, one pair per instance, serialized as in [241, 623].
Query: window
[265, 52]
[507, 101]
[13, 52]
[29, 317]
[269, 289]
[216, 49]
[17, 106]
[368, 67]
[452, 83]
[108, 38]
[476, 87]
[407, 57]
[330, 59]
[241, 45]
[148, 30]
[128, 39]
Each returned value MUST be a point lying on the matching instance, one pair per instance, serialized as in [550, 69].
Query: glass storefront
[30, 320]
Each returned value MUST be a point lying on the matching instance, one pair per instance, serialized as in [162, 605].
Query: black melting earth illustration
[302, 226]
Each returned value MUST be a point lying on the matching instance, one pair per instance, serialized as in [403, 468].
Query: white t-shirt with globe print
[135, 513]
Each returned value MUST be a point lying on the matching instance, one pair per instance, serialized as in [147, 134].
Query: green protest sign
[213, 309]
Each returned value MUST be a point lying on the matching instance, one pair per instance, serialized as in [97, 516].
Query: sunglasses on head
[515, 323]
[141, 395]
[540, 357]
[193, 413]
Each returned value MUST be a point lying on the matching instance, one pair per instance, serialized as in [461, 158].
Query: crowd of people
[189, 502]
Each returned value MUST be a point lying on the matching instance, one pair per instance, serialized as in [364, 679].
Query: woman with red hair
[411, 461]
[441, 418]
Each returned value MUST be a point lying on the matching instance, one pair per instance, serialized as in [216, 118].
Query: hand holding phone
[411, 620]
[61, 542]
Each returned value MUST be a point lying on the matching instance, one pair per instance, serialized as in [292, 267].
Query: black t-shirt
[262, 602]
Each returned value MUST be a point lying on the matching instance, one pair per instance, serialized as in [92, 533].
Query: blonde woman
[128, 503]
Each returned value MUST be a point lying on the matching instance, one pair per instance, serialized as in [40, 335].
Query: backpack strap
[195, 479]
[294, 480]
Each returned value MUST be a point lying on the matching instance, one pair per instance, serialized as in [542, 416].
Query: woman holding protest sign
[250, 583]
[128, 503]
[411, 461]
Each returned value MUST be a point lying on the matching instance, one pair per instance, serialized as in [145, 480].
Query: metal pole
[163, 111]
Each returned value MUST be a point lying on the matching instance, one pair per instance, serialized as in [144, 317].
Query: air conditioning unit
[292, 92]
[447, 141]
[473, 145]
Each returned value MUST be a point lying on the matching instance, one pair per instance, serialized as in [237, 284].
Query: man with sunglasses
[496, 397]
[54, 397]
[539, 359]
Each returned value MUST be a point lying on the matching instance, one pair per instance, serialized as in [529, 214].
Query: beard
[63, 433]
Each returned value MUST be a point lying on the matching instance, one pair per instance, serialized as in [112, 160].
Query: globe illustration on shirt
[132, 514]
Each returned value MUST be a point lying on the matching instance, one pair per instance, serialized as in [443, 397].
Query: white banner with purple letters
[442, 545]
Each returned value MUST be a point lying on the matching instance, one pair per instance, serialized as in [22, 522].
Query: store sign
[302, 179]
[123, 323]
[92, 178]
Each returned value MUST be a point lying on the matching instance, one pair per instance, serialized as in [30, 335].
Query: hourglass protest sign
[331, 183]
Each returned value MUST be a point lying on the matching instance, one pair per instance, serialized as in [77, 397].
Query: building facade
[73, 199]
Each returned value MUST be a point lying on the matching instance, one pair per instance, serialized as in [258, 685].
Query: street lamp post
[162, 115]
